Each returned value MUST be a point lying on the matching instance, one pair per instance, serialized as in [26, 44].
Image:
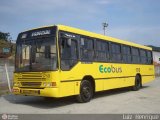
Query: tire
[86, 92]
[138, 84]
[48, 98]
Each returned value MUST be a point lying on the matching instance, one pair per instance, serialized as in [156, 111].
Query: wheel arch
[138, 74]
[91, 79]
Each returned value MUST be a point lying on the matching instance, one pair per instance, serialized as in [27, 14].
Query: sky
[131, 20]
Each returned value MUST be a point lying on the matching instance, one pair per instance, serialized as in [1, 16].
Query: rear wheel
[138, 84]
[86, 92]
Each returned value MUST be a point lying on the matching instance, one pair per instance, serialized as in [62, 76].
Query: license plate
[33, 92]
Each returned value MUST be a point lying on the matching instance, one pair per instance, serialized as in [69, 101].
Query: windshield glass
[36, 55]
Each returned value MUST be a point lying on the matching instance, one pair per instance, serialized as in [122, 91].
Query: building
[156, 59]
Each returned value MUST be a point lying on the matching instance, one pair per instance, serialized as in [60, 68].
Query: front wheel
[138, 84]
[86, 92]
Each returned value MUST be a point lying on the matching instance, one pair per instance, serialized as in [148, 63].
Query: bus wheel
[86, 92]
[137, 85]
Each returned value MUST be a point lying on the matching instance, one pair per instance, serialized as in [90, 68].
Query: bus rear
[36, 63]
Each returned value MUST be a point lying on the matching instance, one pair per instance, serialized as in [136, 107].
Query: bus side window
[115, 52]
[87, 49]
[102, 52]
[135, 55]
[126, 54]
[143, 56]
[149, 57]
[69, 53]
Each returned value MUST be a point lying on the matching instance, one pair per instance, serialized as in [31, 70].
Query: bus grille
[32, 77]
[31, 84]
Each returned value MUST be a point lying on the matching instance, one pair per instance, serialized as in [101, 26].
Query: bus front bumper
[46, 92]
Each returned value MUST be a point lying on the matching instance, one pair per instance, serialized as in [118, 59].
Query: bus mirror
[69, 41]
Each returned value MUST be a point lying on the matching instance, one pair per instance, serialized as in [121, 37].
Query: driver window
[69, 53]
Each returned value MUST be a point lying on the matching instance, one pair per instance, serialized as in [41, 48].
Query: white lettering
[39, 33]
[69, 35]
[127, 117]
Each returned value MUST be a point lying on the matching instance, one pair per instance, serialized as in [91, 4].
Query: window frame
[78, 52]
[115, 53]
[105, 51]
[109, 52]
[126, 54]
[150, 58]
[135, 56]
[143, 56]
[82, 58]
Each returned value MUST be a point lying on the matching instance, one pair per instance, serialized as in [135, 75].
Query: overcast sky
[133, 20]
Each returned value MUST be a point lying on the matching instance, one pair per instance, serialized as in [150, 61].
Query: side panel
[68, 82]
[116, 76]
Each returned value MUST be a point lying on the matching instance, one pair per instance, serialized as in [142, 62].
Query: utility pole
[105, 25]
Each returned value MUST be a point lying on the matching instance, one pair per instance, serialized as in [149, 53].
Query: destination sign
[39, 33]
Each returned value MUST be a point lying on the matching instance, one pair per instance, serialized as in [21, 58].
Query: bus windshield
[36, 55]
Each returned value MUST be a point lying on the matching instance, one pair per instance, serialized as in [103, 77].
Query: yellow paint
[95, 35]
[65, 84]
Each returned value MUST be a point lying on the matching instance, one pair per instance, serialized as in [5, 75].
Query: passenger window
[87, 49]
[126, 54]
[69, 53]
[115, 52]
[102, 51]
[149, 57]
[135, 55]
[143, 56]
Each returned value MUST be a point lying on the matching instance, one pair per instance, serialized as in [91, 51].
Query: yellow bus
[58, 61]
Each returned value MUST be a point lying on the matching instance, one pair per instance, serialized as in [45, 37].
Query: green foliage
[5, 42]
[5, 36]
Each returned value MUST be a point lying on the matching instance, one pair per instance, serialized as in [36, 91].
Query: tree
[5, 36]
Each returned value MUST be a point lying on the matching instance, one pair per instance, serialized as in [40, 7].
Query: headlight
[49, 84]
[44, 84]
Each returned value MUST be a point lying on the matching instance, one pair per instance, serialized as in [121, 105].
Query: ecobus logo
[110, 69]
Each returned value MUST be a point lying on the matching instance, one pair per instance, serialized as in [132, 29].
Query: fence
[3, 77]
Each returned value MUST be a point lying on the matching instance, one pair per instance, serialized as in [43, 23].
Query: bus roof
[95, 35]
